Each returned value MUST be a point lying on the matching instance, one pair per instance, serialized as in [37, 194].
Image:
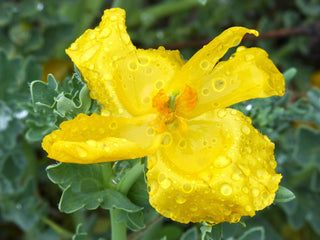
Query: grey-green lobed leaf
[283, 195]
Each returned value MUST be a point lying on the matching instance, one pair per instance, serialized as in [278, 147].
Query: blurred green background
[33, 36]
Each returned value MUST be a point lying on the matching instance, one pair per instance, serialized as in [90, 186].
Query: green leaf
[80, 233]
[307, 151]
[255, 233]
[289, 74]
[72, 201]
[86, 186]
[134, 221]
[191, 234]
[283, 195]
[211, 232]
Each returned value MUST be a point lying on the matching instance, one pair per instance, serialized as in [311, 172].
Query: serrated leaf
[134, 221]
[284, 195]
[255, 233]
[191, 234]
[73, 201]
[84, 186]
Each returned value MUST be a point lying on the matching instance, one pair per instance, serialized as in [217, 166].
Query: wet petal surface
[95, 138]
[222, 168]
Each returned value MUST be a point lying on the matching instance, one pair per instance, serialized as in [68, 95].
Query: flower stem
[119, 231]
[130, 178]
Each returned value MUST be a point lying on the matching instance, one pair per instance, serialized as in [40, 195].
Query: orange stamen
[186, 101]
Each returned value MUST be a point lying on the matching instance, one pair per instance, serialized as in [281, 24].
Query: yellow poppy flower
[206, 162]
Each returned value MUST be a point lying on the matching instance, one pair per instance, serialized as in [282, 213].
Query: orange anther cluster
[186, 101]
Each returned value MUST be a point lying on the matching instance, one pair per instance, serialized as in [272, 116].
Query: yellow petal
[122, 78]
[222, 168]
[202, 63]
[140, 75]
[248, 74]
[94, 53]
[95, 138]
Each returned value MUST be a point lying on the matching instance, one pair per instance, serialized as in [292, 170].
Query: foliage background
[33, 36]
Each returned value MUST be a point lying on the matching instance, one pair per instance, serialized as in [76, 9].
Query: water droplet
[107, 148]
[105, 32]
[153, 188]
[133, 66]
[150, 131]
[255, 192]
[113, 125]
[233, 111]
[226, 189]
[227, 73]
[204, 64]
[81, 152]
[222, 162]
[166, 183]
[180, 199]
[148, 70]
[240, 49]
[205, 91]
[193, 207]
[113, 18]
[159, 84]
[245, 130]
[265, 195]
[222, 113]
[236, 176]
[182, 144]
[151, 162]
[245, 190]
[92, 143]
[248, 208]
[187, 187]
[237, 41]
[125, 37]
[167, 139]
[249, 57]
[219, 84]
[87, 55]
[143, 60]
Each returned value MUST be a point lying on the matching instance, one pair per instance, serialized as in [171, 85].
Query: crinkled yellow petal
[92, 139]
[222, 168]
[141, 74]
[202, 63]
[248, 74]
[94, 53]
[122, 78]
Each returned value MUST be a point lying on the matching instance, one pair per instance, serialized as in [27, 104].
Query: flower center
[174, 106]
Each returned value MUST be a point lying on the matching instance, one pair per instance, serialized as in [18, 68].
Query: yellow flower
[206, 162]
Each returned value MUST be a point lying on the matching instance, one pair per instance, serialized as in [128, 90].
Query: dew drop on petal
[193, 207]
[222, 113]
[245, 190]
[187, 187]
[222, 162]
[133, 66]
[245, 130]
[92, 143]
[249, 57]
[204, 64]
[167, 139]
[226, 189]
[255, 192]
[205, 91]
[81, 152]
[219, 84]
[180, 199]
[105, 32]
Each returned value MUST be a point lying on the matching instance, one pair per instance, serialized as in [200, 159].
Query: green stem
[130, 178]
[119, 228]
[106, 174]
[61, 231]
